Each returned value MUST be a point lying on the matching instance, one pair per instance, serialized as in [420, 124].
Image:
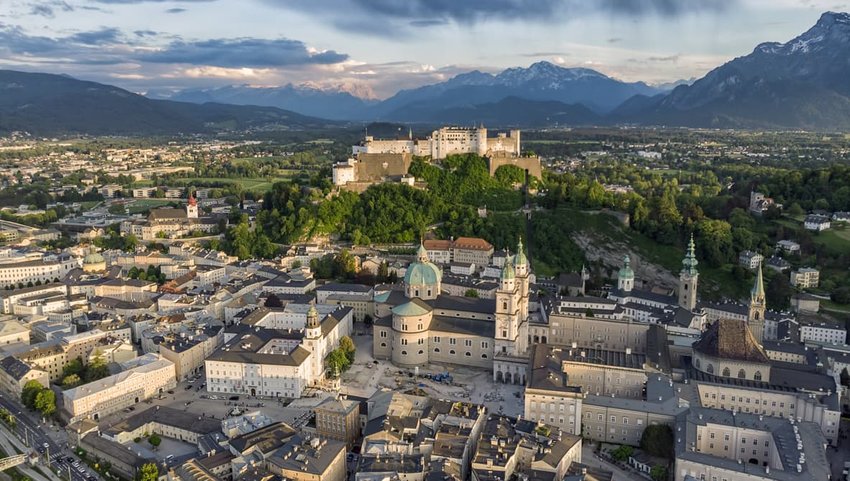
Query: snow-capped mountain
[542, 81]
[802, 83]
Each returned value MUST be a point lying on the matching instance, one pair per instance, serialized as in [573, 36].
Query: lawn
[248, 184]
[144, 205]
[89, 204]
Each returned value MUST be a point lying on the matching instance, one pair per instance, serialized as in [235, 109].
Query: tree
[155, 440]
[348, 347]
[73, 367]
[117, 209]
[273, 301]
[337, 362]
[622, 453]
[29, 393]
[845, 377]
[841, 295]
[71, 381]
[45, 402]
[97, 368]
[778, 293]
[657, 440]
[470, 293]
[658, 473]
[148, 472]
[795, 210]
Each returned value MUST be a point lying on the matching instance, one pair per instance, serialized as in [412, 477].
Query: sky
[373, 48]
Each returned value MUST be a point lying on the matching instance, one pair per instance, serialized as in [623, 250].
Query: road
[35, 435]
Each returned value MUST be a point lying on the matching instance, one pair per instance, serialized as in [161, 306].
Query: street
[34, 434]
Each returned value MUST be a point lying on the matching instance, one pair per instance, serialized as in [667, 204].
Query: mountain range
[45, 104]
[800, 84]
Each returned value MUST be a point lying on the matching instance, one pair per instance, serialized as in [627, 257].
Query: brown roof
[437, 244]
[731, 339]
[475, 243]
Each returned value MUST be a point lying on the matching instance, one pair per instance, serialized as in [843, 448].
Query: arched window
[421, 352]
[436, 349]
[403, 353]
[756, 315]
[742, 374]
[383, 344]
[710, 368]
[726, 372]
[484, 356]
[452, 352]
[468, 354]
[757, 376]
[505, 306]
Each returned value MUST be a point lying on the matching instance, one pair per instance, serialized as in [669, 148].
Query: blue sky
[375, 47]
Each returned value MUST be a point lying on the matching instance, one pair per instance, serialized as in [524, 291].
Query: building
[45, 270]
[751, 260]
[15, 374]
[356, 296]
[188, 352]
[309, 459]
[805, 278]
[444, 142]
[144, 378]
[549, 396]
[788, 246]
[759, 203]
[276, 362]
[339, 419]
[814, 330]
[472, 250]
[817, 223]
[736, 446]
[173, 223]
[164, 421]
[421, 325]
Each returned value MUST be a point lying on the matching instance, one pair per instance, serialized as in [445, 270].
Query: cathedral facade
[419, 324]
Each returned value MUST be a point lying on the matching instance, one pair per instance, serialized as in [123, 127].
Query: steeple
[422, 253]
[689, 263]
[520, 258]
[313, 318]
[757, 292]
[626, 276]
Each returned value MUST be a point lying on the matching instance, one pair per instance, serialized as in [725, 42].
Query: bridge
[12, 461]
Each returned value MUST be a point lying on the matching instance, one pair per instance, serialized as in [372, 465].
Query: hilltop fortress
[379, 160]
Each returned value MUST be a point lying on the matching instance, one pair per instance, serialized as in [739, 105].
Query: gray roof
[166, 416]
[114, 450]
[266, 439]
[302, 455]
[457, 325]
[14, 367]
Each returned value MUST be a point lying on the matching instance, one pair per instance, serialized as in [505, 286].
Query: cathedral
[417, 324]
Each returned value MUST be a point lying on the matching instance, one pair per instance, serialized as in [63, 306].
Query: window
[505, 306]
[436, 349]
[452, 341]
[485, 344]
[467, 342]
[757, 377]
[710, 368]
[383, 333]
[421, 341]
[404, 342]
[403, 353]
[383, 344]
[742, 374]
[452, 352]
[726, 372]
[484, 356]
[421, 352]
[437, 339]
[468, 354]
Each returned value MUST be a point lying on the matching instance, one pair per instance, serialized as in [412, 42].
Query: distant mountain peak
[831, 18]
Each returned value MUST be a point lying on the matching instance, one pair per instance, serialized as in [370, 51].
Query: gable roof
[731, 339]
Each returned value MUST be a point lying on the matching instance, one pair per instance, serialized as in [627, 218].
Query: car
[233, 398]
[169, 457]
[189, 387]
[170, 391]
[75, 463]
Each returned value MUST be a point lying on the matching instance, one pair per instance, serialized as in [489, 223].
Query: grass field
[836, 239]
[144, 205]
[89, 204]
[248, 184]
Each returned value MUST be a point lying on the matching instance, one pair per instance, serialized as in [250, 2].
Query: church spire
[757, 293]
[689, 263]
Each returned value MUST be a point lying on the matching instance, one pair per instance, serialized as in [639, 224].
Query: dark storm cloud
[132, 2]
[347, 14]
[79, 48]
[242, 52]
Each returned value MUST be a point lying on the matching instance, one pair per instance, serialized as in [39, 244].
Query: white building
[817, 223]
[261, 361]
[805, 278]
[444, 142]
[43, 270]
[751, 260]
[788, 246]
[144, 378]
[822, 332]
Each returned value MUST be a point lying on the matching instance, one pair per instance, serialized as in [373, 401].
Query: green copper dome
[422, 272]
[520, 259]
[411, 309]
[626, 271]
[508, 271]
[689, 263]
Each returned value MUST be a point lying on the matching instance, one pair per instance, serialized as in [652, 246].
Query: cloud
[48, 9]
[96, 37]
[242, 52]
[351, 14]
[133, 2]
[145, 33]
[175, 10]
[667, 58]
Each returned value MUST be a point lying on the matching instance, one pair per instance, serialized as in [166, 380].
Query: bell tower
[758, 304]
[626, 276]
[191, 207]
[689, 279]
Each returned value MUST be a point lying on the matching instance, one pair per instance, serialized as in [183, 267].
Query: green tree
[841, 295]
[117, 209]
[97, 368]
[29, 393]
[154, 440]
[658, 473]
[45, 402]
[347, 346]
[470, 293]
[148, 472]
[622, 453]
[73, 367]
[657, 440]
[70, 381]
[778, 293]
[795, 210]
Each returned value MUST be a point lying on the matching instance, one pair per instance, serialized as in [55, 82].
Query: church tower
[626, 277]
[523, 272]
[507, 310]
[688, 279]
[313, 342]
[755, 319]
[191, 207]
